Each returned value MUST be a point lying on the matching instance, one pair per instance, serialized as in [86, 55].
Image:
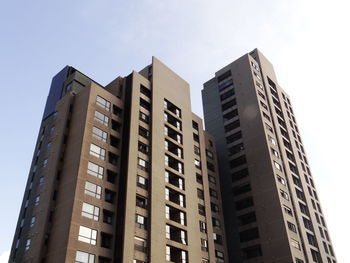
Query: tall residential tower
[121, 173]
[271, 208]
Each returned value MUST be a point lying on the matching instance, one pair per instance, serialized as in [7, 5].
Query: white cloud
[4, 256]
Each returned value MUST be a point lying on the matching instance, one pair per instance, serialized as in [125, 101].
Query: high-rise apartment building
[121, 173]
[271, 208]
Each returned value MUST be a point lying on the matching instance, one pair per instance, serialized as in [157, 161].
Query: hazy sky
[307, 41]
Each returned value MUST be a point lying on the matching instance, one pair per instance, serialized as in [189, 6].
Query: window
[143, 132]
[213, 193]
[211, 179]
[106, 240]
[145, 91]
[32, 221]
[269, 127]
[143, 117]
[112, 158]
[101, 118]
[234, 137]
[141, 221]
[93, 190]
[87, 235]
[201, 209]
[37, 200]
[214, 207]
[145, 104]
[199, 178]
[197, 150]
[117, 111]
[232, 126]
[252, 252]
[217, 238]
[281, 180]
[210, 154]
[99, 134]
[103, 103]
[261, 95]
[143, 148]
[41, 180]
[141, 201]
[224, 75]
[142, 164]
[109, 196]
[107, 217]
[236, 176]
[272, 140]
[141, 182]
[202, 227]
[227, 94]
[228, 105]
[295, 243]
[90, 211]
[95, 170]
[197, 163]
[304, 209]
[308, 224]
[238, 161]
[27, 245]
[204, 244]
[247, 218]
[45, 163]
[312, 240]
[116, 126]
[104, 260]
[284, 194]
[241, 189]
[288, 210]
[216, 222]
[97, 151]
[140, 244]
[172, 120]
[277, 165]
[291, 227]
[83, 257]
[268, 118]
[255, 66]
[111, 176]
[225, 84]
[200, 194]
[244, 203]
[219, 256]
[211, 167]
[300, 194]
[275, 153]
[171, 107]
[236, 149]
[249, 234]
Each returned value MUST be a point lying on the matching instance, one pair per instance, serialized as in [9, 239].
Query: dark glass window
[227, 94]
[249, 234]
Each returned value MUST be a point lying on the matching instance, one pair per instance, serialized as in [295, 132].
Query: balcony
[175, 215]
[172, 121]
[175, 180]
[176, 234]
[175, 197]
[173, 134]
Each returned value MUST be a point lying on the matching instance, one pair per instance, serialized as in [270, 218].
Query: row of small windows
[293, 168]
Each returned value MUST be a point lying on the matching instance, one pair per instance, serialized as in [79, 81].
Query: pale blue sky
[306, 40]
